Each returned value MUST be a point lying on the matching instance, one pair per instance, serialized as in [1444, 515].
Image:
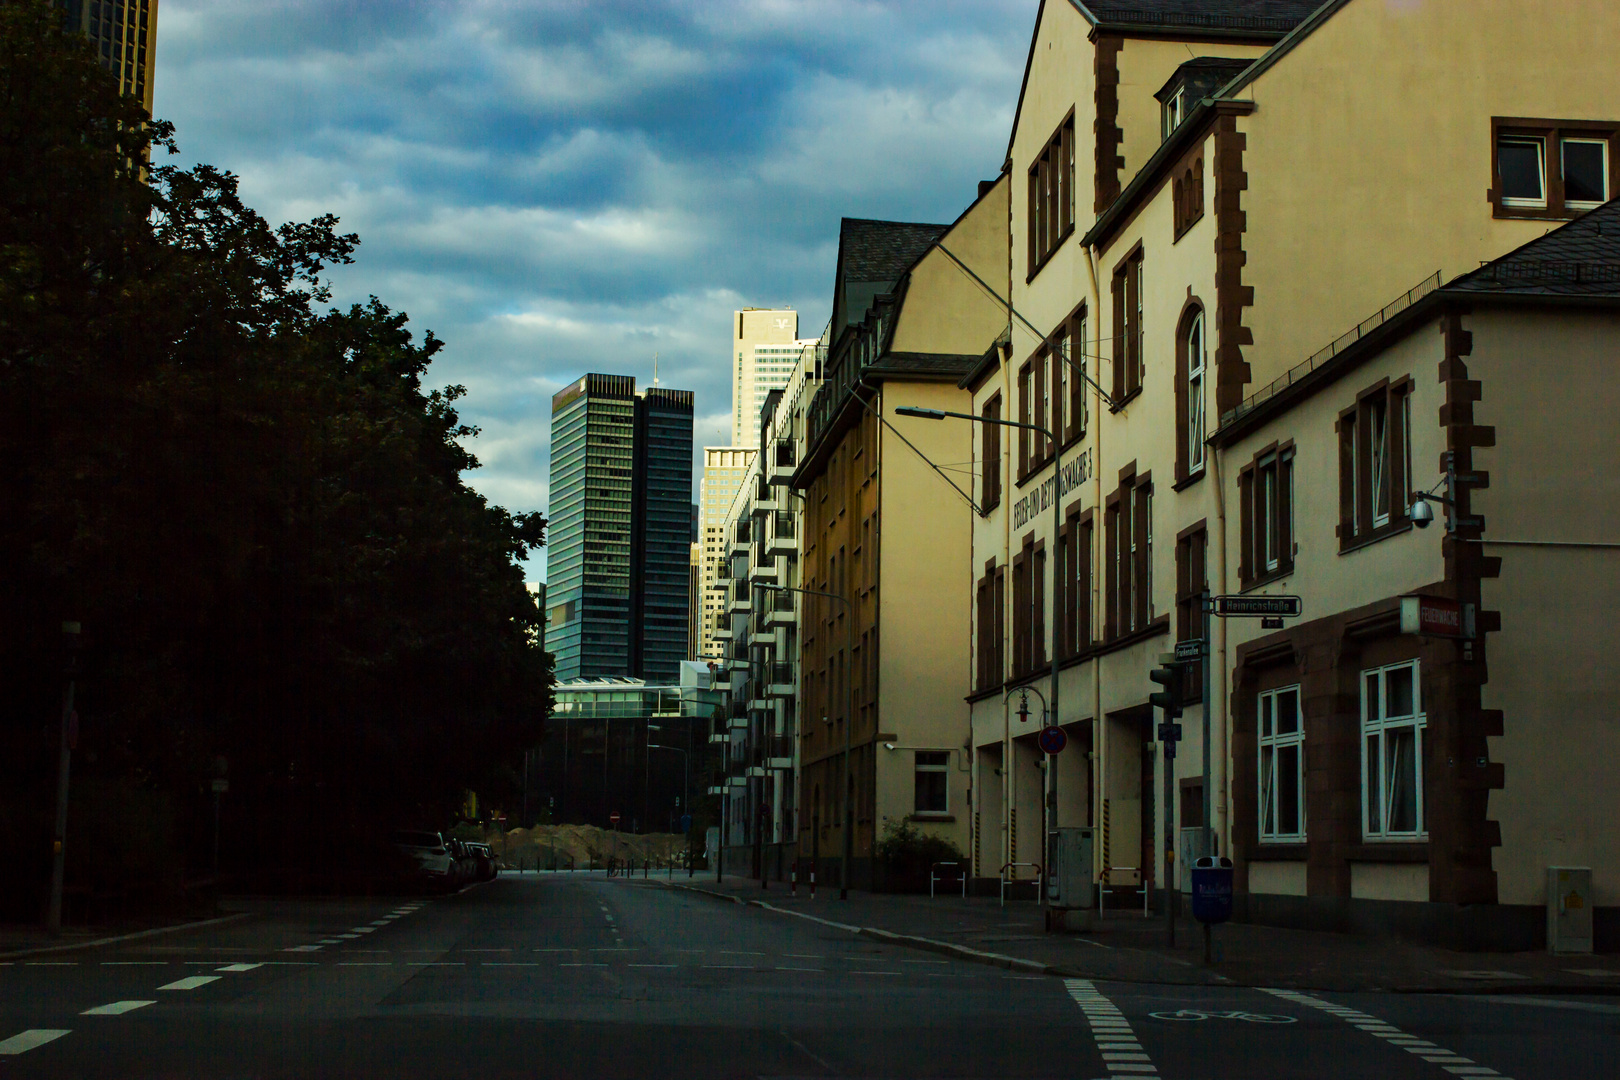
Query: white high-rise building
[764, 350]
[723, 471]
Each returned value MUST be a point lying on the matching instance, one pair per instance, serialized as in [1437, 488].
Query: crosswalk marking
[117, 1008]
[1122, 1054]
[1452, 1062]
[24, 1041]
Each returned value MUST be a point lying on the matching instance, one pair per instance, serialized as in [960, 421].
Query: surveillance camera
[888, 746]
[1421, 513]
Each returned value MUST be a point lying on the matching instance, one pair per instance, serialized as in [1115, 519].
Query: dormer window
[1174, 112]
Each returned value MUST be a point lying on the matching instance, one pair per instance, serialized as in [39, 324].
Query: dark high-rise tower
[620, 528]
[124, 32]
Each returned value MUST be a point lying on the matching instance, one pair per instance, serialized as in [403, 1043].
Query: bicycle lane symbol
[1249, 1017]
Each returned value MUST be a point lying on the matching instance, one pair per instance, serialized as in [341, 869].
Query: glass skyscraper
[620, 529]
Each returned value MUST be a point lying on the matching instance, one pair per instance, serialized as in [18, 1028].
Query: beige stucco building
[1258, 187]
[883, 676]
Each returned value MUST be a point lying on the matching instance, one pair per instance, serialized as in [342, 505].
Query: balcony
[780, 679]
[780, 763]
[783, 454]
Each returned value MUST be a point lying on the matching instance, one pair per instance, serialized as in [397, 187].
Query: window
[1522, 165]
[1051, 195]
[1586, 172]
[1130, 558]
[1071, 344]
[1191, 396]
[990, 460]
[1282, 767]
[1551, 168]
[1173, 112]
[933, 782]
[991, 598]
[1127, 296]
[1187, 195]
[1266, 497]
[1029, 608]
[1392, 753]
[1025, 412]
[1375, 463]
[1072, 605]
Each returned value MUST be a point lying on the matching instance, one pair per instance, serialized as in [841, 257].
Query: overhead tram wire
[1006, 303]
[926, 459]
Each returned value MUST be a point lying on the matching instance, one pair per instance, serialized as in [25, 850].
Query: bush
[905, 852]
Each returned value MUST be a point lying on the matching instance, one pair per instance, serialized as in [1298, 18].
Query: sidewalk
[20, 940]
[1128, 948]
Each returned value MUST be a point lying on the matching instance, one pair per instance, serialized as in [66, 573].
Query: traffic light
[1169, 699]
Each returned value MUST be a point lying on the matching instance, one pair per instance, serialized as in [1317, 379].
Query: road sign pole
[1170, 838]
[1209, 707]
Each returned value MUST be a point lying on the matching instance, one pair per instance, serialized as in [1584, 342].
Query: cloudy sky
[562, 186]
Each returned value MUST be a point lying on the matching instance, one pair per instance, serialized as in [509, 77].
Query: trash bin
[1212, 889]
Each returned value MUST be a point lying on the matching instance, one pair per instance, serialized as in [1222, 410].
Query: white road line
[134, 963]
[1452, 1062]
[663, 966]
[365, 963]
[239, 967]
[721, 967]
[304, 948]
[1122, 1054]
[514, 963]
[190, 982]
[362, 929]
[24, 1041]
[50, 963]
[582, 965]
[820, 970]
[117, 1008]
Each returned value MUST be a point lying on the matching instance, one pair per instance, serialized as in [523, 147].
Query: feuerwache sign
[1074, 474]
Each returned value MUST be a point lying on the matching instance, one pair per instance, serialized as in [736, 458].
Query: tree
[255, 507]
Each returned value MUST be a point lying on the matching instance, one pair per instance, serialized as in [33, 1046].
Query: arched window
[1192, 393]
[1195, 392]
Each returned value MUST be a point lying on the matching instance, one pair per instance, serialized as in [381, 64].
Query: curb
[977, 956]
[96, 943]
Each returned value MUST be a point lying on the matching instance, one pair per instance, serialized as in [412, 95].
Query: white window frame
[1380, 480]
[1266, 775]
[1376, 727]
[918, 768]
[1583, 204]
[1270, 537]
[1195, 393]
[1173, 112]
[1060, 357]
[1541, 157]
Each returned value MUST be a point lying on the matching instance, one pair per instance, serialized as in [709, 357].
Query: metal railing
[783, 525]
[1006, 881]
[1103, 886]
[1333, 348]
[934, 876]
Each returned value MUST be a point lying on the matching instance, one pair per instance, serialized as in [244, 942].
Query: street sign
[1190, 650]
[1169, 732]
[1052, 740]
[613, 818]
[1228, 607]
[1436, 616]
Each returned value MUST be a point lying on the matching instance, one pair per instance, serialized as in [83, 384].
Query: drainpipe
[1099, 728]
[1223, 760]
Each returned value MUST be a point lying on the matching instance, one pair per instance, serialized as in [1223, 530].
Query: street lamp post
[1057, 525]
[849, 722]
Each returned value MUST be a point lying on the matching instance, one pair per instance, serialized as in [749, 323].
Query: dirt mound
[564, 846]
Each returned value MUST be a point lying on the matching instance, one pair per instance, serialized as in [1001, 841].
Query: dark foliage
[254, 508]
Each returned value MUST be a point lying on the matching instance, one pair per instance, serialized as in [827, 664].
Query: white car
[432, 854]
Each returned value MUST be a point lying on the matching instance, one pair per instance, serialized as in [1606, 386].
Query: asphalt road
[574, 977]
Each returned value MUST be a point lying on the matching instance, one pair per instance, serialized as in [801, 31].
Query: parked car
[466, 861]
[487, 866]
[435, 861]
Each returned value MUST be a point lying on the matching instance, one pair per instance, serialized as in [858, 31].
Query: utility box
[1569, 909]
[1069, 881]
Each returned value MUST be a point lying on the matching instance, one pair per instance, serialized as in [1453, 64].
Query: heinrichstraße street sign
[1227, 607]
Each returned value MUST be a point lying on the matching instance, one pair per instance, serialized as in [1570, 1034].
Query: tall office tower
[124, 32]
[661, 533]
[621, 490]
[723, 469]
[694, 601]
[764, 350]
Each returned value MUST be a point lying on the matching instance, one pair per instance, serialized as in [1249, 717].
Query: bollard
[793, 888]
[812, 883]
